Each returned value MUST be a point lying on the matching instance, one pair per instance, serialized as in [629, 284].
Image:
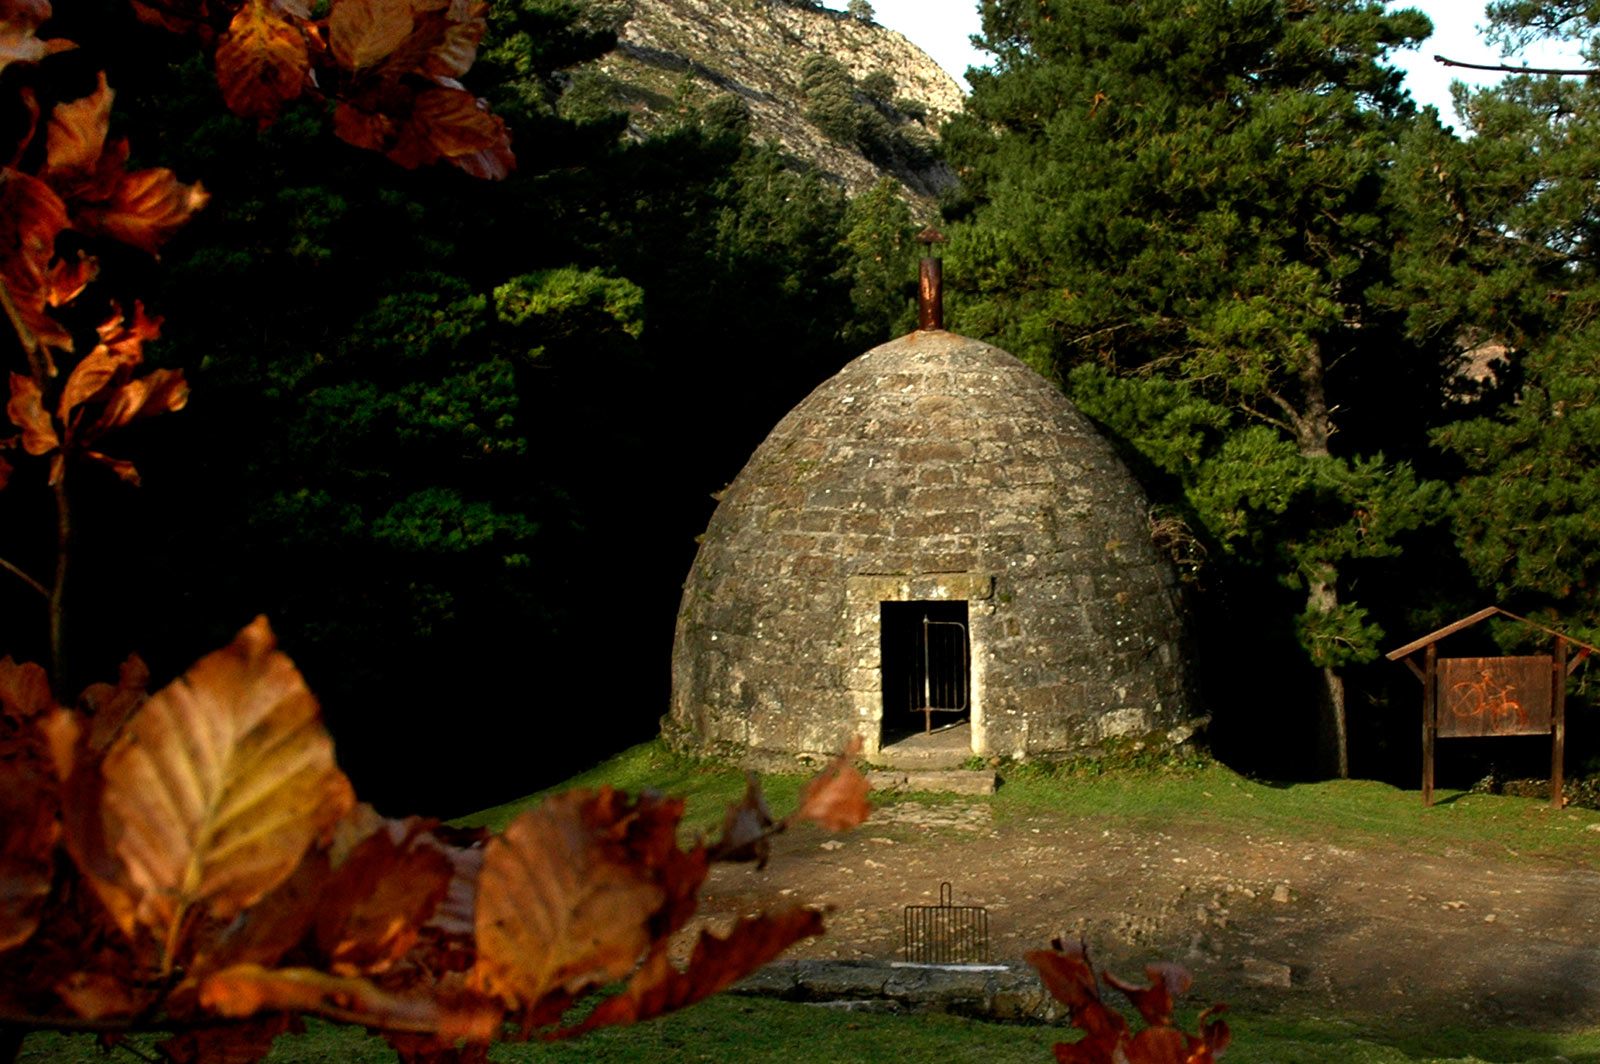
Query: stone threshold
[945, 781]
[979, 991]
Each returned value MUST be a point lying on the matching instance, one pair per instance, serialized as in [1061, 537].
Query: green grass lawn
[1192, 796]
[733, 1030]
[1170, 796]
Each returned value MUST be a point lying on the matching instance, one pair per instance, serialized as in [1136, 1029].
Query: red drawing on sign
[1484, 697]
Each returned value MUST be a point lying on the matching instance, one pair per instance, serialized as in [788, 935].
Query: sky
[942, 28]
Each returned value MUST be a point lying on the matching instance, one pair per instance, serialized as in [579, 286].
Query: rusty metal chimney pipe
[930, 288]
[930, 296]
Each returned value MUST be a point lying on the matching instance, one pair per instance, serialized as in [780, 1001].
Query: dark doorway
[926, 667]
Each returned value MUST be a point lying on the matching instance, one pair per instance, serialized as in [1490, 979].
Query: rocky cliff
[780, 62]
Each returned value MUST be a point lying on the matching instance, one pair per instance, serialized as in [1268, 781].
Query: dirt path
[1260, 921]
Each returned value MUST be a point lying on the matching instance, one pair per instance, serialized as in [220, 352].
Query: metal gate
[944, 669]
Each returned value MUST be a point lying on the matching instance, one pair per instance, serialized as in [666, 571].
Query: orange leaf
[448, 122]
[362, 33]
[716, 964]
[26, 411]
[18, 21]
[120, 466]
[95, 995]
[110, 705]
[31, 217]
[1154, 1002]
[560, 906]
[77, 133]
[836, 797]
[746, 827]
[218, 784]
[145, 209]
[352, 125]
[262, 62]
[373, 908]
[454, 31]
[158, 392]
[246, 989]
[67, 278]
[24, 689]
[271, 927]
[234, 1043]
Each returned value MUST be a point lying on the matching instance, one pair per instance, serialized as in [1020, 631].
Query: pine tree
[1175, 208]
[1501, 252]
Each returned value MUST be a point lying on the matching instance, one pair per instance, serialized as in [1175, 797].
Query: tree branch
[1507, 68]
[24, 577]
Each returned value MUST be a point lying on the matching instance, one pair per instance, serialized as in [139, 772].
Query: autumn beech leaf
[246, 989]
[836, 797]
[26, 411]
[233, 1043]
[746, 827]
[18, 21]
[76, 135]
[449, 123]
[262, 63]
[158, 392]
[374, 906]
[217, 786]
[31, 217]
[560, 906]
[716, 963]
[145, 209]
[362, 33]
[1070, 979]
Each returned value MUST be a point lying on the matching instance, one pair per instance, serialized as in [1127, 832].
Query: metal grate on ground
[946, 933]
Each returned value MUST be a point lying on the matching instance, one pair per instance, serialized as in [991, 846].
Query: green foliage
[1177, 210]
[1499, 249]
[879, 241]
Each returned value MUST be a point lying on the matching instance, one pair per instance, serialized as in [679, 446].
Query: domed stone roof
[941, 471]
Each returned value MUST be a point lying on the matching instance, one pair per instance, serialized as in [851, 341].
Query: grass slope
[1167, 796]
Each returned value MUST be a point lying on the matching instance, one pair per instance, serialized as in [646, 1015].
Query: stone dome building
[934, 536]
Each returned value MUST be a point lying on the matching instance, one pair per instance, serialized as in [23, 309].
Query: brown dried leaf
[77, 134]
[218, 785]
[836, 798]
[246, 989]
[144, 209]
[24, 689]
[26, 411]
[262, 62]
[717, 963]
[271, 927]
[66, 279]
[373, 909]
[455, 29]
[234, 1043]
[94, 995]
[448, 122]
[362, 33]
[177, 16]
[18, 21]
[746, 828]
[110, 705]
[31, 217]
[158, 392]
[1154, 1002]
[362, 129]
[561, 906]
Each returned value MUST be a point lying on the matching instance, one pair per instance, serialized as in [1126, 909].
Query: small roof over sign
[1467, 622]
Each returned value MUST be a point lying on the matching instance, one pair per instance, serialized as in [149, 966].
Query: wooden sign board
[1494, 696]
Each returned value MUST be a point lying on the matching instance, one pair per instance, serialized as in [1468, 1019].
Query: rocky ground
[1261, 921]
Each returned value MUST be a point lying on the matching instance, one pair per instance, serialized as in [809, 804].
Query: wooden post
[1430, 686]
[1558, 722]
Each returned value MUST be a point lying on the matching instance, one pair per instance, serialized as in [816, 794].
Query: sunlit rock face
[941, 471]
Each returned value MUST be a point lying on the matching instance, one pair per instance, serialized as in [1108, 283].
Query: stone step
[949, 781]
